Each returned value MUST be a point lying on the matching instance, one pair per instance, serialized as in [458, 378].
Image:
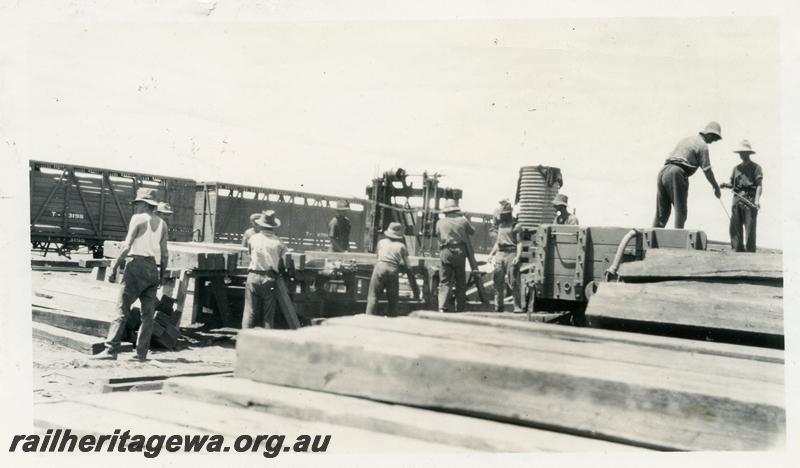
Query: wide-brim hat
[713, 128]
[267, 219]
[254, 217]
[744, 147]
[560, 200]
[342, 206]
[146, 195]
[164, 208]
[394, 231]
[450, 206]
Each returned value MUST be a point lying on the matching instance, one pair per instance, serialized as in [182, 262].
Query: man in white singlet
[145, 245]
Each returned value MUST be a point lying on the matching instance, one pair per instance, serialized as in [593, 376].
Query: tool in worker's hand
[474, 274]
[743, 199]
[723, 208]
[746, 201]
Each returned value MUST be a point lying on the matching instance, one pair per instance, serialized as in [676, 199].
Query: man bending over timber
[690, 154]
[145, 244]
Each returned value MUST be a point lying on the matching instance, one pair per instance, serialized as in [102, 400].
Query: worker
[266, 251]
[690, 154]
[164, 211]
[392, 258]
[454, 232]
[505, 260]
[339, 228]
[146, 244]
[747, 184]
[251, 230]
[563, 216]
[503, 205]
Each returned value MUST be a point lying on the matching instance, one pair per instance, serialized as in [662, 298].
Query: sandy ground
[60, 373]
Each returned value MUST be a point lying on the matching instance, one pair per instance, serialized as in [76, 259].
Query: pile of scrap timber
[75, 311]
[437, 382]
[708, 295]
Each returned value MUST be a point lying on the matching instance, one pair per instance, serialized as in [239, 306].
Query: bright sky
[324, 106]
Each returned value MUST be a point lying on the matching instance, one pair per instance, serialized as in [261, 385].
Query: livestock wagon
[222, 214]
[73, 206]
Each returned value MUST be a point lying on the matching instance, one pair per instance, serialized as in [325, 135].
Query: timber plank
[590, 349]
[740, 313]
[83, 419]
[665, 264]
[404, 421]
[640, 405]
[357, 257]
[77, 341]
[179, 258]
[71, 321]
[103, 411]
[580, 334]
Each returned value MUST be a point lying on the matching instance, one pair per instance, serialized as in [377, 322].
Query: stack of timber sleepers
[707, 295]
[76, 311]
[204, 267]
[448, 382]
[637, 390]
[208, 265]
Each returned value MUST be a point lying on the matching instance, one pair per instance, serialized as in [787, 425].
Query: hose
[611, 272]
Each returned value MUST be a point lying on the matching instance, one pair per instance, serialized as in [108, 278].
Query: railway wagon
[73, 206]
[222, 214]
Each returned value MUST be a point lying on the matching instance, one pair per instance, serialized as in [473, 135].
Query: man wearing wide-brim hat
[164, 211]
[454, 233]
[747, 184]
[563, 216]
[672, 184]
[339, 228]
[250, 230]
[266, 252]
[145, 245]
[392, 258]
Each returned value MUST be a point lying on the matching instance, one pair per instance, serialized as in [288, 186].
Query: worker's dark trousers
[453, 278]
[260, 301]
[140, 281]
[743, 223]
[673, 191]
[505, 273]
[385, 277]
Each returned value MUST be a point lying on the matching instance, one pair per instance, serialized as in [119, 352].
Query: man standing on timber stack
[251, 230]
[392, 258]
[505, 259]
[266, 252]
[747, 183]
[339, 228]
[454, 233]
[146, 243]
[673, 179]
[563, 216]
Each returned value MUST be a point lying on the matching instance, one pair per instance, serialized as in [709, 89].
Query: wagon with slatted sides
[74, 206]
